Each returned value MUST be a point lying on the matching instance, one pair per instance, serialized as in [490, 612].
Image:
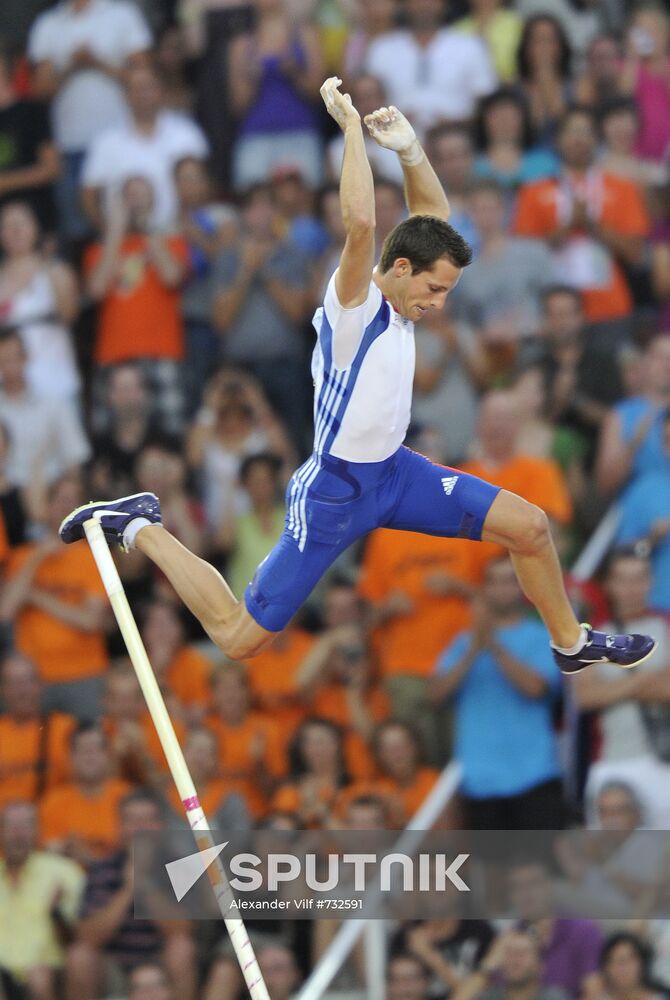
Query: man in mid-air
[360, 476]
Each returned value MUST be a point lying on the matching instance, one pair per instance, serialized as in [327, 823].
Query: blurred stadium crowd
[169, 219]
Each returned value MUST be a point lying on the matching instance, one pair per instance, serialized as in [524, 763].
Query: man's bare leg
[205, 593]
[524, 530]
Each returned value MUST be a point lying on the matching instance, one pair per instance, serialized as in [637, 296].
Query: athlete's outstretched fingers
[389, 128]
[339, 106]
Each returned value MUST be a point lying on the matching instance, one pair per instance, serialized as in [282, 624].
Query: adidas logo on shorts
[448, 484]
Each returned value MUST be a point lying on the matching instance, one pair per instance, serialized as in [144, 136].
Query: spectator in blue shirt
[631, 440]
[504, 682]
[645, 520]
[504, 135]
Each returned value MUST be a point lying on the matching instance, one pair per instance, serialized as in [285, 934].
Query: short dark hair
[504, 95]
[267, 458]
[8, 333]
[616, 106]
[576, 111]
[83, 728]
[261, 189]
[423, 240]
[190, 158]
[488, 185]
[384, 183]
[623, 553]
[142, 795]
[324, 191]
[339, 580]
[445, 130]
[551, 290]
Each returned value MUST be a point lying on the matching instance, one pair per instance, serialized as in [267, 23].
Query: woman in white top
[40, 298]
[234, 423]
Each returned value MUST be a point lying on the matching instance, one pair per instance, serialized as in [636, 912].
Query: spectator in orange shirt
[80, 818]
[128, 726]
[251, 745]
[135, 274]
[538, 480]
[595, 221]
[179, 668]
[336, 682]
[418, 588]
[402, 772]
[55, 598]
[402, 782]
[273, 675]
[222, 805]
[317, 773]
[34, 745]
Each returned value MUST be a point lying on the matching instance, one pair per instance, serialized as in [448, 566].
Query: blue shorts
[331, 503]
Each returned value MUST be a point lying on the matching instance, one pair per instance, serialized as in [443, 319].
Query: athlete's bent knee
[232, 640]
[533, 534]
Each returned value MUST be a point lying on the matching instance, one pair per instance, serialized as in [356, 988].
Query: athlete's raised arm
[424, 193]
[357, 200]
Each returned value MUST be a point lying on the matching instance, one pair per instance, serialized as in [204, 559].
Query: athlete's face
[413, 294]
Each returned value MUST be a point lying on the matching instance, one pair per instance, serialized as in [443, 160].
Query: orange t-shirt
[620, 209]
[401, 560]
[61, 652]
[237, 762]
[272, 675]
[20, 745]
[65, 812]
[188, 677]
[538, 480]
[139, 317]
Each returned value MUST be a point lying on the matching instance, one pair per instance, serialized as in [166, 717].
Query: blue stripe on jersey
[374, 329]
[336, 389]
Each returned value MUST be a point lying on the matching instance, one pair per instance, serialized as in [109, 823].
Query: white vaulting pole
[244, 951]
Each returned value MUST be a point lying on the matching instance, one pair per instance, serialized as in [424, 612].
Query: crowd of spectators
[169, 221]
